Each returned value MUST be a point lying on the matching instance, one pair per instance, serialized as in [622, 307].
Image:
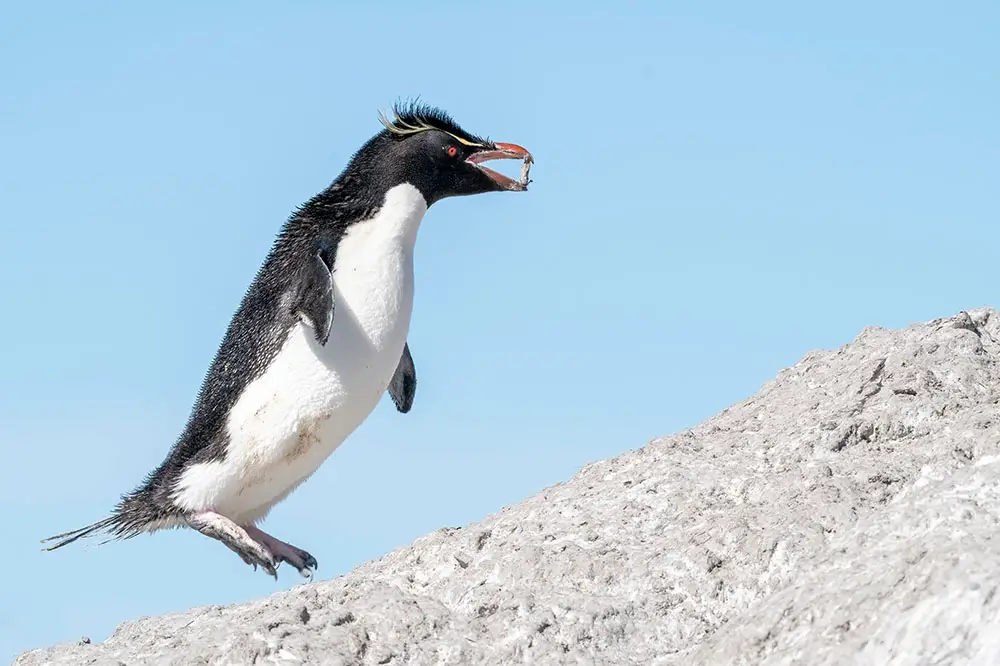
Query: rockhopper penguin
[318, 338]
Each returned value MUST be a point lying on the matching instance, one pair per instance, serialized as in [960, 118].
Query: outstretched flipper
[403, 385]
[316, 295]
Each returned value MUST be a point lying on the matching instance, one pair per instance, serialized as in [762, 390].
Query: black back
[268, 309]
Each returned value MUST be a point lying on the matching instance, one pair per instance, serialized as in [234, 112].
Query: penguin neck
[378, 248]
[398, 218]
[373, 281]
[346, 206]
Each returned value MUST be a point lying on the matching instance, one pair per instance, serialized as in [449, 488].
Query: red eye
[452, 151]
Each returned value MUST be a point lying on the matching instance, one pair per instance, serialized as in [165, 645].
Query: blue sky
[718, 189]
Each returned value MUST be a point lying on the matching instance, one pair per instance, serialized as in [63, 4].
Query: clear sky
[718, 190]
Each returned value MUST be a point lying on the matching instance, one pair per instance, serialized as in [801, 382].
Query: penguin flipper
[403, 385]
[316, 296]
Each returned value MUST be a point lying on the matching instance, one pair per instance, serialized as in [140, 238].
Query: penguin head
[423, 146]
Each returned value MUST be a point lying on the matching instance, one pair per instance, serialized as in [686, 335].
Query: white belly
[311, 397]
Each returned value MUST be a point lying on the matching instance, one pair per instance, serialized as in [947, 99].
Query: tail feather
[106, 525]
[135, 514]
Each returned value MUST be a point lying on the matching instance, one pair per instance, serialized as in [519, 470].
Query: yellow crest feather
[401, 127]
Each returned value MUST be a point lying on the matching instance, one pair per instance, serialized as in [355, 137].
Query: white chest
[311, 397]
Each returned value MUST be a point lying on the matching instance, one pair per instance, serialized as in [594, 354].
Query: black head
[423, 146]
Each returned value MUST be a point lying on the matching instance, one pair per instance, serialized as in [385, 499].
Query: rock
[845, 514]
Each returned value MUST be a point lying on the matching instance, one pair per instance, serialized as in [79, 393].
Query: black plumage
[422, 146]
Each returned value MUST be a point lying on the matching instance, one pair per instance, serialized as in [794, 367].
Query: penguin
[318, 338]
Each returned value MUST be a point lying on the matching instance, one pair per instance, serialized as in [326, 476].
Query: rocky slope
[845, 514]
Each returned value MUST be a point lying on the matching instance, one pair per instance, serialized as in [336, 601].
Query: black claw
[307, 561]
[309, 565]
[268, 567]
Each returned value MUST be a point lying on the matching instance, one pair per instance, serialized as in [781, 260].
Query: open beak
[504, 151]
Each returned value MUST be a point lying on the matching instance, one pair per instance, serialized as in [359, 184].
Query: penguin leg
[285, 552]
[219, 527]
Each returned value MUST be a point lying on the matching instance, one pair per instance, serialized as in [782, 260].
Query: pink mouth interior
[500, 179]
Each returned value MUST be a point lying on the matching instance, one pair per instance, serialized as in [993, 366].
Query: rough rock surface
[845, 514]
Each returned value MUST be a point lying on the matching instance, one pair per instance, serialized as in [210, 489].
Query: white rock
[848, 513]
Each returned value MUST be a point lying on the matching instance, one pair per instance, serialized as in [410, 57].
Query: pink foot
[284, 552]
[237, 539]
